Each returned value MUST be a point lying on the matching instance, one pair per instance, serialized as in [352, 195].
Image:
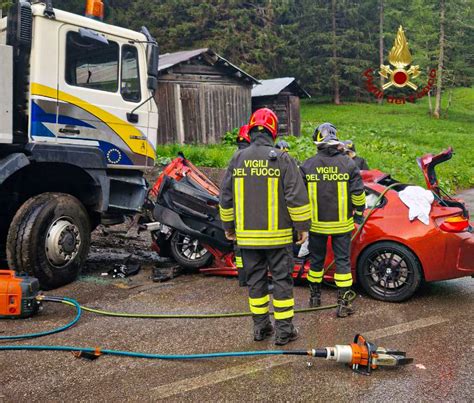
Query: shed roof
[268, 88]
[168, 60]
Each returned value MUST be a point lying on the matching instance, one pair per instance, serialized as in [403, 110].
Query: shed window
[130, 87]
[92, 64]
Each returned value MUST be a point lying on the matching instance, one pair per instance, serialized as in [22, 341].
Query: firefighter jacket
[335, 190]
[263, 196]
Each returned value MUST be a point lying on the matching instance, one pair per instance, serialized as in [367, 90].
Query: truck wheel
[389, 272]
[49, 239]
[188, 252]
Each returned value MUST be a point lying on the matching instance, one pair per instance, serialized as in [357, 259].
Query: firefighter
[337, 198]
[360, 162]
[262, 198]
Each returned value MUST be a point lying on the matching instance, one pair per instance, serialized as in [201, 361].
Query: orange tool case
[17, 295]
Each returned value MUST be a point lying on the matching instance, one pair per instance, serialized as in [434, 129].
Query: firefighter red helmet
[243, 134]
[264, 118]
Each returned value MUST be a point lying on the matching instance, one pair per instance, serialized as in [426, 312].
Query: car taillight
[455, 224]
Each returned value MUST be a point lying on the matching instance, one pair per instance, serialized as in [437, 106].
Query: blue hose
[57, 330]
[89, 350]
[155, 356]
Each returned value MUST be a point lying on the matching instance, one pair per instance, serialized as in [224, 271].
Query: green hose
[189, 316]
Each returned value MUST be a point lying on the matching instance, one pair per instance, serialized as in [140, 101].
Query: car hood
[427, 164]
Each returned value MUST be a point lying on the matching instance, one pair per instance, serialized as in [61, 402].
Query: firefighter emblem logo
[400, 57]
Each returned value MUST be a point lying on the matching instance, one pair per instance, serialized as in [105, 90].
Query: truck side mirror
[153, 56]
[153, 62]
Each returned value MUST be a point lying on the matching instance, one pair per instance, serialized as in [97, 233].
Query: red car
[392, 255]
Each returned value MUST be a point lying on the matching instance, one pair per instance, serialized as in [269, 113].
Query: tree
[381, 44]
[335, 70]
[437, 109]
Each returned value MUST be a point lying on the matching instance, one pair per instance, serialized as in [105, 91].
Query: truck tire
[49, 238]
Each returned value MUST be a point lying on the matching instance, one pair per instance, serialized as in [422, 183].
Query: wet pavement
[435, 328]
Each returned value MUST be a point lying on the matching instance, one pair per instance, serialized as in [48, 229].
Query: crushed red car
[390, 257]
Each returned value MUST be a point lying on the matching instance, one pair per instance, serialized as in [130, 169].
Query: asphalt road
[435, 328]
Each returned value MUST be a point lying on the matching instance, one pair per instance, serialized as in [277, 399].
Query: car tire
[188, 252]
[49, 238]
[388, 271]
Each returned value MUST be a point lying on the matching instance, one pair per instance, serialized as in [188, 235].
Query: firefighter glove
[230, 234]
[302, 237]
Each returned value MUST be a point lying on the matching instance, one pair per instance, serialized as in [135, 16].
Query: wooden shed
[282, 95]
[200, 97]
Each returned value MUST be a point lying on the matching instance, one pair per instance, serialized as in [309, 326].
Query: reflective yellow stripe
[272, 204]
[299, 210]
[358, 200]
[226, 214]
[358, 212]
[238, 262]
[342, 200]
[264, 234]
[343, 280]
[332, 227]
[127, 132]
[342, 277]
[313, 198]
[346, 283]
[332, 224]
[264, 242]
[331, 231]
[239, 202]
[316, 274]
[259, 310]
[284, 315]
[346, 200]
[283, 303]
[259, 301]
[302, 213]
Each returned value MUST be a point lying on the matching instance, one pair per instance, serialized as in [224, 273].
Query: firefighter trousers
[341, 245]
[279, 262]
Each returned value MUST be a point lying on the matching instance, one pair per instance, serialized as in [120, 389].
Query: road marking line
[216, 377]
[404, 327]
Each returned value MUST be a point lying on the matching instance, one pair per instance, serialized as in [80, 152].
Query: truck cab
[78, 127]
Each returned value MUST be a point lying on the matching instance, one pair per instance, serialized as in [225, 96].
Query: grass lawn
[389, 137]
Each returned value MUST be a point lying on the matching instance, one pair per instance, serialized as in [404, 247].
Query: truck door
[102, 80]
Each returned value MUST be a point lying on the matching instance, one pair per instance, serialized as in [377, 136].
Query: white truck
[78, 127]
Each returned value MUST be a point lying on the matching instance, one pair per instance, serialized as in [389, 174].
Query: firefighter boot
[344, 302]
[283, 340]
[315, 297]
[260, 334]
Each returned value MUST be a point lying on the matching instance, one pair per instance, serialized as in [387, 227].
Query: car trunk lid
[428, 163]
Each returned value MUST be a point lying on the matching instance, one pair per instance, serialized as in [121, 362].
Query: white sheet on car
[418, 201]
